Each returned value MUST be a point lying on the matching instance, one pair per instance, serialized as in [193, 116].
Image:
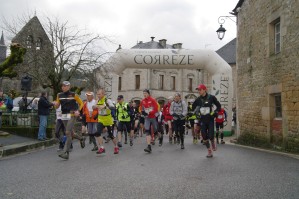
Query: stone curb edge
[232, 142]
[15, 149]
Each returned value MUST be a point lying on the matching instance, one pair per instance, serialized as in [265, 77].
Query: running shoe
[148, 149]
[214, 147]
[82, 142]
[116, 150]
[210, 153]
[64, 155]
[222, 142]
[119, 144]
[101, 150]
[131, 142]
[182, 146]
[95, 148]
[160, 141]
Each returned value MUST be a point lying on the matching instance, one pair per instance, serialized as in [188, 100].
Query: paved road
[168, 172]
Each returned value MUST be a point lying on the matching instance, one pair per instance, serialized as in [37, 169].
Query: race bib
[103, 112]
[204, 110]
[148, 110]
[220, 116]
[66, 116]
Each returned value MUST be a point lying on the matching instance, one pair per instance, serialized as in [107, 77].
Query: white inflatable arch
[208, 60]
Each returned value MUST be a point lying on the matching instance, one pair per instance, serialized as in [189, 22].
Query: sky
[191, 22]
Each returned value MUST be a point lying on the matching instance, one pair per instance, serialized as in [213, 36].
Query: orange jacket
[94, 115]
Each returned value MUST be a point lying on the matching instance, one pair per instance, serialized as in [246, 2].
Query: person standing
[204, 104]
[71, 104]
[105, 120]
[149, 109]
[43, 112]
[178, 110]
[90, 115]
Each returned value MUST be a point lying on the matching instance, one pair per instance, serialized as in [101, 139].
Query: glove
[144, 113]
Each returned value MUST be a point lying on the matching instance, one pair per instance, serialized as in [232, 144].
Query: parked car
[18, 101]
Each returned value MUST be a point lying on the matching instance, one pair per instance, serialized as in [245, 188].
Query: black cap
[146, 91]
[120, 97]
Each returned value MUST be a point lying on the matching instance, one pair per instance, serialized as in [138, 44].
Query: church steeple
[3, 48]
[2, 40]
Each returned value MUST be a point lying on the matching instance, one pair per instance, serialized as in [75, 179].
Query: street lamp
[221, 30]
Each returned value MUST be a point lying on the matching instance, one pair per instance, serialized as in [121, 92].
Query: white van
[33, 104]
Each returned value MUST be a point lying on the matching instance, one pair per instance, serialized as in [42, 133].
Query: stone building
[268, 72]
[38, 57]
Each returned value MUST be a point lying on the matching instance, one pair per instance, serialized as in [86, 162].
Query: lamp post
[221, 30]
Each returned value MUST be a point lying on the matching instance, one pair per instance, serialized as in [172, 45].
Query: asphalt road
[168, 172]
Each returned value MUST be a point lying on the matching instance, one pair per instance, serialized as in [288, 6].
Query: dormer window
[29, 41]
[38, 44]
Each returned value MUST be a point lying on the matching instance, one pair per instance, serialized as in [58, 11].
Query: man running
[149, 109]
[204, 104]
[221, 118]
[105, 119]
[168, 118]
[71, 104]
[178, 109]
[90, 114]
[124, 120]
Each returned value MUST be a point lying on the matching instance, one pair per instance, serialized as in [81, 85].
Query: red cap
[201, 87]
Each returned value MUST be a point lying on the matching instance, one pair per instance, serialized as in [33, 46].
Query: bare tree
[74, 51]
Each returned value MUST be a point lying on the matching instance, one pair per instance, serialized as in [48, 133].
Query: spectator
[43, 112]
[8, 102]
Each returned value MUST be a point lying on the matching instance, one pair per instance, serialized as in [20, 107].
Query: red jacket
[221, 116]
[150, 106]
[166, 113]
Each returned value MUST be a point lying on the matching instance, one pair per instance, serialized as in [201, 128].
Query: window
[137, 82]
[161, 82]
[190, 84]
[38, 43]
[29, 41]
[278, 112]
[277, 37]
[119, 83]
[172, 83]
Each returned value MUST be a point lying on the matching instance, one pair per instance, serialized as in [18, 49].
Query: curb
[15, 149]
[291, 155]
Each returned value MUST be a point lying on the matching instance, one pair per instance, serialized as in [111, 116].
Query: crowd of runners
[120, 122]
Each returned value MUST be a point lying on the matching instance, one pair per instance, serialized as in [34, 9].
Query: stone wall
[262, 74]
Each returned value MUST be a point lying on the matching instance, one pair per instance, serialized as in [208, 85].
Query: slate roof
[151, 45]
[228, 51]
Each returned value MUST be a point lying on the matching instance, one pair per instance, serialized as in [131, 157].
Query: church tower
[3, 48]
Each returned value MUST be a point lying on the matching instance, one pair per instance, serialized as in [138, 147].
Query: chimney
[119, 47]
[153, 38]
[140, 42]
[163, 43]
[179, 45]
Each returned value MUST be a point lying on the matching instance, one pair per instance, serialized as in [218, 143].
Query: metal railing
[28, 119]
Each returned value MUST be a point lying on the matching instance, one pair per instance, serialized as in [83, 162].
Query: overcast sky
[191, 22]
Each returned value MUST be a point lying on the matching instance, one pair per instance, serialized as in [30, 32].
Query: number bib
[103, 112]
[204, 110]
[220, 116]
[66, 116]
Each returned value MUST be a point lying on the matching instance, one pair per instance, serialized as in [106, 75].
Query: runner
[105, 119]
[71, 104]
[178, 109]
[135, 115]
[204, 104]
[168, 118]
[191, 118]
[221, 118]
[90, 114]
[124, 120]
[149, 109]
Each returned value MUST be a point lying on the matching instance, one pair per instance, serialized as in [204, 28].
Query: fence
[29, 119]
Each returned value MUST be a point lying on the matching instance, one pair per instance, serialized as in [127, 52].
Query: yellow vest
[104, 116]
